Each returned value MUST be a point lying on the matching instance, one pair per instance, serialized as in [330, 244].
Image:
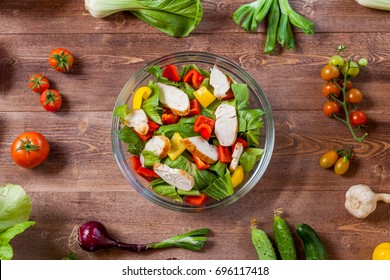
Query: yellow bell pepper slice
[177, 148]
[382, 251]
[238, 176]
[204, 96]
[141, 94]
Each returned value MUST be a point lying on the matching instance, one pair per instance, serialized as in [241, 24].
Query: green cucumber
[262, 244]
[313, 246]
[283, 238]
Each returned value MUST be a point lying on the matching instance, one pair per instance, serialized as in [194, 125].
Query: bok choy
[177, 18]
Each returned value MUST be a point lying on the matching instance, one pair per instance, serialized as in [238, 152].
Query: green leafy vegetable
[177, 18]
[241, 94]
[219, 168]
[128, 135]
[249, 158]
[193, 67]
[189, 90]
[15, 209]
[149, 158]
[167, 191]
[121, 112]
[151, 105]
[280, 15]
[184, 129]
[157, 72]
[249, 123]
[191, 192]
[220, 188]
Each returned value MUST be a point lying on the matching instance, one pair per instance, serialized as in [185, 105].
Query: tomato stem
[28, 146]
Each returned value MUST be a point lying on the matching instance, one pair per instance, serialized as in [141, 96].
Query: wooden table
[81, 181]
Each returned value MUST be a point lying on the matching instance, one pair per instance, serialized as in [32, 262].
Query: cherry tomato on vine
[61, 60]
[51, 100]
[30, 149]
[336, 60]
[330, 88]
[341, 166]
[357, 118]
[349, 84]
[329, 72]
[353, 69]
[328, 159]
[354, 96]
[38, 83]
[331, 108]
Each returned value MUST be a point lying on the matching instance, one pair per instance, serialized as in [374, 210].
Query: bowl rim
[269, 137]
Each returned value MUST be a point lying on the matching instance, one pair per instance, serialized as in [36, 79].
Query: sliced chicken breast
[220, 82]
[175, 177]
[138, 120]
[199, 146]
[226, 124]
[174, 98]
[238, 149]
[159, 145]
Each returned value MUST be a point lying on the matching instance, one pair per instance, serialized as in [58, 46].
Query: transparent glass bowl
[205, 61]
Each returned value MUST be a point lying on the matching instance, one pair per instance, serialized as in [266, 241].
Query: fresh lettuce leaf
[167, 191]
[15, 209]
[189, 90]
[128, 135]
[184, 129]
[121, 112]
[149, 158]
[151, 105]
[157, 72]
[191, 192]
[219, 168]
[220, 188]
[15, 206]
[249, 124]
[249, 158]
[241, 94]
[188, 120]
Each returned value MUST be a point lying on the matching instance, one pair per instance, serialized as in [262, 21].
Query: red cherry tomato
[354, 96]
[329, 72]
[357, 118]
[61, 60]
[51, 100]
[330, 88]
[331, 108]
[38, 83]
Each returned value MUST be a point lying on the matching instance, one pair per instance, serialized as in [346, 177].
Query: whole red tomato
[30, 149]
[357, 118]
[51, 100]
[61, 60]
[38, 83]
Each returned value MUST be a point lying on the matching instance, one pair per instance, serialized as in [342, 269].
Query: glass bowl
[205, 61]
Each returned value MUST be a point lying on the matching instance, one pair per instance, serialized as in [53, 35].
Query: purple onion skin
[93, 236]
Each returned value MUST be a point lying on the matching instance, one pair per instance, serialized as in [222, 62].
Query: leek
[177, 18]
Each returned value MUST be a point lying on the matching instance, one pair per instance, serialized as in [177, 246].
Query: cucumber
[283, 238]
[262, 244]
[313, 246]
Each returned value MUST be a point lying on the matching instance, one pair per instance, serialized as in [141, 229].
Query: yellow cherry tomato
[328, 159]
[382, 251]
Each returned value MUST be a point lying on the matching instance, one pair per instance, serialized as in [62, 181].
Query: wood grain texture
[81, 181]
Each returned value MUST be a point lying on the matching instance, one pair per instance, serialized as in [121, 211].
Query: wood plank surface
[81, 181]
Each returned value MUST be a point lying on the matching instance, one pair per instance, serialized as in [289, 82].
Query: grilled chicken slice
[175, 99]
[238, 149]
[138, 120]
[226, 125]
[175, 177]
[159, 145]
[220, 82]
[199, 146]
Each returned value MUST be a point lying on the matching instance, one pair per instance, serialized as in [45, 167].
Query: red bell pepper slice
[204, 126]
[145, 137]
[194, 108]
[171, 73]
[193, 78]
[224, 154]
[167, 118]
[196, 199]
[147, 174]
[135, 162]
[200, 164]
[152, 126]
[229, 95]
[240, 140]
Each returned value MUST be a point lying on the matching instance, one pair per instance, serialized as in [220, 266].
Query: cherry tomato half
[331, 108]
[341, 166]
[357, 118]
[61, 60]
[330, 88]
[38, 83]
[30, 149]
[328, 159]
[354, 96]
[51, 100]
[329, 72]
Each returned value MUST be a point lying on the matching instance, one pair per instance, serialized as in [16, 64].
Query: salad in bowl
[193, 139]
